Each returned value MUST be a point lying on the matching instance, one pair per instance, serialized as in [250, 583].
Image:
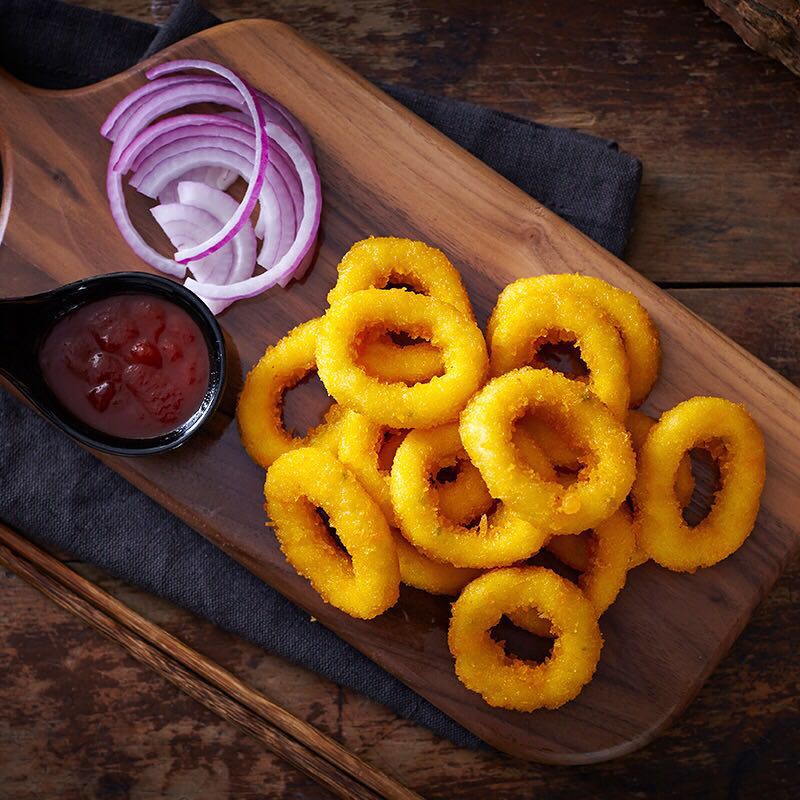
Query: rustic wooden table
[716, 127]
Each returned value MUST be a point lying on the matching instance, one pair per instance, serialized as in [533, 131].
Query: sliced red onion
[165, 102]
[186, 225]
[162, 142]
[171, 169]
[222, 206]
[119, 212]
[306, 233]
[182, 233]
[288, 218]
[188, 160]
[216, 306]
[181, 126]
[216, 177]
[277, 222]
[120, 114]
[173, 97]
[237, 221]
[292, 124]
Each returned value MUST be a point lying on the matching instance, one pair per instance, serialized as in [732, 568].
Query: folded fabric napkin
[61, 496]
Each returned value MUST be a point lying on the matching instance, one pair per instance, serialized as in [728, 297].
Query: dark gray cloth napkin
[61, 496]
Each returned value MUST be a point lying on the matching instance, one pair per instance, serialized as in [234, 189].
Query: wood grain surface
[746, 743]
[297, 742]
[411, 182]
[770, 26]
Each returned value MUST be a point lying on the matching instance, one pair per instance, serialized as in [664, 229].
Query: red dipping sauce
[133, 366]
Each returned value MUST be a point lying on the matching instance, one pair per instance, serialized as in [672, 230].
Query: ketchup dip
[133, 366]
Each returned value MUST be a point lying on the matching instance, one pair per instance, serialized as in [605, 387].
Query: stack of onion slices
[187, 161]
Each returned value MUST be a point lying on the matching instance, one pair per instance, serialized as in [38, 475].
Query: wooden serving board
[385, 171]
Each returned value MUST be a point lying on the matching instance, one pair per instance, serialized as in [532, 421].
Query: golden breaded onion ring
[609, 548]
[394, 363]
[461, 500]
[434, 577]
[519, 328]
[501, 539]
[392, 439]
[328, 433]
[360, 441]
[486, 430]
[422, 405]
[532, 454]
[466, 498]
[357, 441]
[574, 550]
[640, 425]
[482, 664]
[551, 441]
[639, 334]
[302, 480]
[259, 409]
[734, 437]
[375, 263]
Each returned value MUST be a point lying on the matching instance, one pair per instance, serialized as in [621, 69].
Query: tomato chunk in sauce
[133, 366]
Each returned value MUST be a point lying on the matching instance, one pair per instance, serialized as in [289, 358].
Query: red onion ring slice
[221, 205]
[119, 212]
[304, 240]
[121, 113]
[237, 221]
[187, 225]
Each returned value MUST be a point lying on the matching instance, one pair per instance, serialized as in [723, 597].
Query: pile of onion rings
[485, 473]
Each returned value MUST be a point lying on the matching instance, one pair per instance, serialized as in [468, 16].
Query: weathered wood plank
[770, 26]
[81, 719]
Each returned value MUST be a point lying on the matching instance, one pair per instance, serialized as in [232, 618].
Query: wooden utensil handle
[294, 740]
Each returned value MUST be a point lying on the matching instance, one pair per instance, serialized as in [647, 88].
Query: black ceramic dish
[26, 321]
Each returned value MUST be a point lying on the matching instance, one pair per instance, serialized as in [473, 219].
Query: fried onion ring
[640, 425]
[466, 498]
[498, 540]
[486, 430]
[392, 439]
[734, 438]
[434, 577]
[519, 328]
[574, 550]
[609, 549]
[532, 455]
[554, 444]
[375, 263]
[423, 405]
[394, 363]
[639, 334]
[259, 409]
[482, 664]
[362, 585]
[359, 445]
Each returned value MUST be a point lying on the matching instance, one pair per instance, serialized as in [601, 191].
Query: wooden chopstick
[303, 746]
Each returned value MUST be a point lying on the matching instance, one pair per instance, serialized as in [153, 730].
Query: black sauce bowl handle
[26, 321]
[23, 322]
